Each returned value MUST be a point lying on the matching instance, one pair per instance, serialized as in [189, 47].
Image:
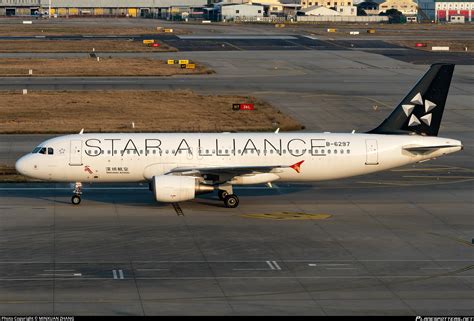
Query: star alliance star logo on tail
[297, 166]
[418, 100]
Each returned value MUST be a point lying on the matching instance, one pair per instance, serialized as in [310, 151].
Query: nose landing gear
[76, 198]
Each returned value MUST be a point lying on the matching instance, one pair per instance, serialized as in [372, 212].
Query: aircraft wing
[225, 173]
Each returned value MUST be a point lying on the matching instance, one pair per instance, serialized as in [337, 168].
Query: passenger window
[50, 151]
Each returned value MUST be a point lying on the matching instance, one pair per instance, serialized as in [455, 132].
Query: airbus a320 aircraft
[179, 166]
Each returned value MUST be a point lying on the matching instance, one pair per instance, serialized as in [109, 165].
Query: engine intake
[170, 189]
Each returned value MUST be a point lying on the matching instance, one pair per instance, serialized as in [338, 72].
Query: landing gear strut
[76, 198]
[222, 194]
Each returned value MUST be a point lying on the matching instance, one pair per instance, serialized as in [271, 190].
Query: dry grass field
[89, 67]
[151, 111]
[45, 29]
[9, 174]
[7, 46]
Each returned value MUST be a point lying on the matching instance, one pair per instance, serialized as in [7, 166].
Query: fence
[342, 19]
[258, 19]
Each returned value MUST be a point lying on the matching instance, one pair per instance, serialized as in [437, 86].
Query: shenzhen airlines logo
[418, 100]
[297, 166]
[87, 169]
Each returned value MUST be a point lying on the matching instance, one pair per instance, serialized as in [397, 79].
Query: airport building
[454, 11]
[125, 8]
[406, 7]
[328, 8]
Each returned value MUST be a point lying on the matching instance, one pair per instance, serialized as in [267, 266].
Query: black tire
[75, 199]
[222, 194]
[231, 201]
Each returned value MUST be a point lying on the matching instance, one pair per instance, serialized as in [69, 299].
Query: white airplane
[179, 166]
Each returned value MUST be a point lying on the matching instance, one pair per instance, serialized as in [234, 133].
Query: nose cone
[23, 166]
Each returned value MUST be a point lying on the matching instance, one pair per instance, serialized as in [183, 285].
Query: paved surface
[393, 246]
[258, 42]
[393, 243]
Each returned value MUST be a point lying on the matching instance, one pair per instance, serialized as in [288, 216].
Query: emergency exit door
[75, 153]
[372, 155]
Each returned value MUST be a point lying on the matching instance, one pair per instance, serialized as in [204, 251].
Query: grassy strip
[90, 67]
[8, 174]
[46, 29]
[65, 46]
[150, 111]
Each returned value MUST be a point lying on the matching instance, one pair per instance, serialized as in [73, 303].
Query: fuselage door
[372, 157]
[75, 153]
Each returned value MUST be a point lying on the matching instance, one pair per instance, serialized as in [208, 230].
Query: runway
[393, 243]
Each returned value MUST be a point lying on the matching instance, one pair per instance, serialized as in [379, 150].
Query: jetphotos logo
[297, 166]
[460, 318]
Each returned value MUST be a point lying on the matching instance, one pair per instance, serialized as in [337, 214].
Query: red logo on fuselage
[297, 166]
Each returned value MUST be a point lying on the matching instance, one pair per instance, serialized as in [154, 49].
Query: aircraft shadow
[142, 197]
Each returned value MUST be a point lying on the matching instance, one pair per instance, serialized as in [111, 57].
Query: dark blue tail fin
[421, 110]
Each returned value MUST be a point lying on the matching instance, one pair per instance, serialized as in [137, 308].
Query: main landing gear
[225, 194]
[231, 201]
[76, 198]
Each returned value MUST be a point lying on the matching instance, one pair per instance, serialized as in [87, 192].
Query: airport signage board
[243, 106]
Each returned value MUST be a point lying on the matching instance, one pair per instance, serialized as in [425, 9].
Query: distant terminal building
[454, 10]
[135, 8]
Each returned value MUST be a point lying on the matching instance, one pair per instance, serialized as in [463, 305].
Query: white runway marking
[273, 265]
[114, 273]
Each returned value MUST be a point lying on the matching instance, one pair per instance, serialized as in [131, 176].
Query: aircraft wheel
[75, 199]
[222, 194]
[231, 201]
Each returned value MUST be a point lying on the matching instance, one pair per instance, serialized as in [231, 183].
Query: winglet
[81, 132]
[297, 166]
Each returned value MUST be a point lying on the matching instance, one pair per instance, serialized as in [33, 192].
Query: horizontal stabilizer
[427, 149]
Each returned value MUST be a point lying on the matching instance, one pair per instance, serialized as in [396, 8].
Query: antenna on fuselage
[81, 132]
[277, 130]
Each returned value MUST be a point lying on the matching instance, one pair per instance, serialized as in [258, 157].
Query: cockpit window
[37, 149]
[50, 151]
[42, 150]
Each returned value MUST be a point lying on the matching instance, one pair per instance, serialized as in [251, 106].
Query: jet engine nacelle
[169, 188]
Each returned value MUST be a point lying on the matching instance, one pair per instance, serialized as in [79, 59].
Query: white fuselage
[138, 157]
